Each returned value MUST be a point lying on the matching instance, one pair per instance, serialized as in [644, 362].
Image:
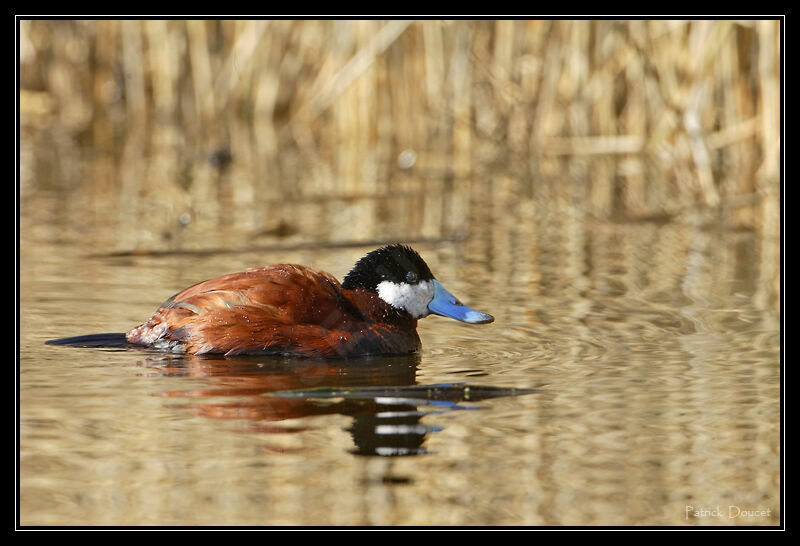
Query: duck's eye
[411, 277]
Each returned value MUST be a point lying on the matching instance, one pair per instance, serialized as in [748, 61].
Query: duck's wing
[261, 310]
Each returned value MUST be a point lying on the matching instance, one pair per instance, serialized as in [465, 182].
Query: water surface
[651, 347]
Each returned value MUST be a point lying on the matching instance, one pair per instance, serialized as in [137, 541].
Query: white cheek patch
[412, 298]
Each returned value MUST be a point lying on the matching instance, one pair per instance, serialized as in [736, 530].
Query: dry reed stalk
[202, 78]
[327, 91]
[645, 116]
[767, 176]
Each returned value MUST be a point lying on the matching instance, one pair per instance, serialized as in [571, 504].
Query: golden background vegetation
[698, 98]
[166, 120]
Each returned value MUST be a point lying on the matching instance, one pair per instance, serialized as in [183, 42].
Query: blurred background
[608, 190]
[169, 131]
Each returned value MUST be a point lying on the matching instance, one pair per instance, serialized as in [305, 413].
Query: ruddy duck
[295, 310]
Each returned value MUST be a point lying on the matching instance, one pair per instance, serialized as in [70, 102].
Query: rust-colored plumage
[295, 310]
[280, 309]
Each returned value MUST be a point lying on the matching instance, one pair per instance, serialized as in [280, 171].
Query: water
[652, 349]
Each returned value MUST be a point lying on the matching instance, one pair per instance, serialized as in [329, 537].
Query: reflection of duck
[296, 310]
[241, 387]
[379, 393]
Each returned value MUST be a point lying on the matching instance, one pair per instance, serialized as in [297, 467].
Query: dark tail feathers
[93, 340]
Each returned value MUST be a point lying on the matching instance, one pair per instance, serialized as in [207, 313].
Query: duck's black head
[401, 278]
[394, 263]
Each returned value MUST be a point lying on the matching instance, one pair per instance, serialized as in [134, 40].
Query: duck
[295, 310]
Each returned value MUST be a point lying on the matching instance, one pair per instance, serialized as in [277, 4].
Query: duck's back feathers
[280, 309]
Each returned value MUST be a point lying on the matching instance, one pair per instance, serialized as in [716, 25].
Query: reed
[631, 118]
[700, 98]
